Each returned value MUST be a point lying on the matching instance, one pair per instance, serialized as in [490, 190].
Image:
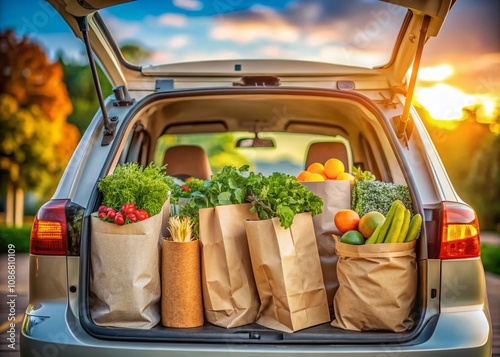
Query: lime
[352, 237]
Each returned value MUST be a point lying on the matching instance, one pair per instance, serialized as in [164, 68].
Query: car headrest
[322, 151]
[185, 161]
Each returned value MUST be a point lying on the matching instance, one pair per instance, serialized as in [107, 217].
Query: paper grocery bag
[229, 293]
[377, 286]
[288, 274]
[336, 195]
[125, 273]
[181, 301]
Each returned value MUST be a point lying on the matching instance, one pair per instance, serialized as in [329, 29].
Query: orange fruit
[316, 168]
[346, 220]
[314, 177]
[369, 222]
[345, 176]
[302, 176]
[333, 168]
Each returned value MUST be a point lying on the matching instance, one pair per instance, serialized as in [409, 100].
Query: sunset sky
[462, 64]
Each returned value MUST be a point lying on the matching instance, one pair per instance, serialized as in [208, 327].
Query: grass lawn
[20, 237]
[490, 255]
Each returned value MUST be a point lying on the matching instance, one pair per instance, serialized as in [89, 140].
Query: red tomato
[128, 208]
[111, 214]
[102, 215]
[119, 219]
[102, 208]
[132, 217]
[141, 214]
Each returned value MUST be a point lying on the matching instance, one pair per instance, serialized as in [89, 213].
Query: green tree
[82, 93]
[81, 87]
[134, 53]
[36, 142]
[470, 152]
[484, 178]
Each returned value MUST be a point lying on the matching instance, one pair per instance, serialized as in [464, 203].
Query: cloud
[192, 5]
[273, 51]
[178, 41]
[122, 30]
[259, 23]
[161, 58]
[172, 20]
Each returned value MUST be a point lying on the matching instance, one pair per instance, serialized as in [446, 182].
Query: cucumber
[405, 227]
[373, 238]
[396, 225]
[414, 230]
[388, 220]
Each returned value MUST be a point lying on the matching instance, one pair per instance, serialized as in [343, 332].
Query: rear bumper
[58, 332]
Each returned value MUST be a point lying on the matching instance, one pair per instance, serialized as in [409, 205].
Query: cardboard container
[181, 299]
[336, 195]
[229, 292]
[377, 286]
[287, 271]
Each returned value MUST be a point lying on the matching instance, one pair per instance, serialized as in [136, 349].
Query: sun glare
[444, 102]
[436, 73]
[486, 112]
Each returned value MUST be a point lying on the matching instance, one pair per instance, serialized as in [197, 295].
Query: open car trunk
[327, 114]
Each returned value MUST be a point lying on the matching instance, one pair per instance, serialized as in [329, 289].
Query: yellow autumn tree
[36, 142]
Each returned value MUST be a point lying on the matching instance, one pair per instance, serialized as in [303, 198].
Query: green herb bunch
[282, 196]
[224, 188]
[175, 190]
[360, 175]
[227, 187]
[183, 189]
[194, 184]
[147, 187]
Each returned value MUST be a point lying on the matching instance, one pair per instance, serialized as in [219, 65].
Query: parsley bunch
[147, 187]
[282, 196]
[224, 188]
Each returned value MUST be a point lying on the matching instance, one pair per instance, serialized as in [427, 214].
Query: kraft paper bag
[181, 299]
[377, 286]
[336, 195]
[288, 274]
[125, 273]
[229, 293]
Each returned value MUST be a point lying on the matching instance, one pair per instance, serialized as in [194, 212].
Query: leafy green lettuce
[282, 196]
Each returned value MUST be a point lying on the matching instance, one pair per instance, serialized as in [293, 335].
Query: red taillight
[459, 232]
[49, 235]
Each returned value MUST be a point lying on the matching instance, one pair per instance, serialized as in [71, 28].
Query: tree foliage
[471, 155]
[81, 89]
[36, 142]
[134, 53]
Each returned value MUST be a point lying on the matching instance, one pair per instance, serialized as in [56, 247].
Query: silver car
[267, 112]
